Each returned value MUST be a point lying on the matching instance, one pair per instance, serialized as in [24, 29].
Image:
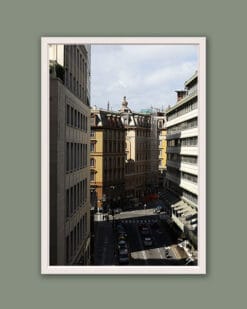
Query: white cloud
[147, 74]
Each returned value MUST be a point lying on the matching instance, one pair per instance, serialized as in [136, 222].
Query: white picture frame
[199, 269]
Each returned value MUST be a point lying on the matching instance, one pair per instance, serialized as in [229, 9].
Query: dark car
[144, 229]
[123, 258]
[158, 209]
[117, 211]
[155, 225]
[122, 236]
[122, 244]
[147, 241]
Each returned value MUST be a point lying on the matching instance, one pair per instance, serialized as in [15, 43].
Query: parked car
[122, 236]
[147, 241]
[144, 229]
[122, 244]
[123, 251]
[155, 225]
[123, 258]
[117, 211]
[121, 230]
[158, 209]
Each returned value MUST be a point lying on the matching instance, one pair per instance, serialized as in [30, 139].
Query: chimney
[181, 94]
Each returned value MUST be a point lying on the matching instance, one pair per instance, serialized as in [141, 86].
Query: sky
[147, 75]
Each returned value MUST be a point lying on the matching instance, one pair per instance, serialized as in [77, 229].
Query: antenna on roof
[108, 105]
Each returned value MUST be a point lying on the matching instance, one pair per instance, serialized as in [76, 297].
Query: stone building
[69, 154]
[138, 151]
[107, 159]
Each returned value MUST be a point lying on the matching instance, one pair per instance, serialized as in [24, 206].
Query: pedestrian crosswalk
[139, 221]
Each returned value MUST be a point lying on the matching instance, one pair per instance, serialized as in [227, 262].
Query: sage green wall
[22, 23]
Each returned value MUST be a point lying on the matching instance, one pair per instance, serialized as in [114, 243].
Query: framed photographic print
[123, 188]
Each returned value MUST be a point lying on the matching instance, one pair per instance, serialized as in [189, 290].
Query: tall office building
[69, 154]
[182, 158]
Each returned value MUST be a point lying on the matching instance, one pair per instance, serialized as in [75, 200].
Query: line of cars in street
[122, 244]
[145, 231]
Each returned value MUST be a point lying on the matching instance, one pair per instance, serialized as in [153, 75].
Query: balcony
[190, 132]
[187, 116]
[185, 150]
[184, 166]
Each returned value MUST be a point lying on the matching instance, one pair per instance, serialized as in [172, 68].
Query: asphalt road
[105, 252]
[160, 234]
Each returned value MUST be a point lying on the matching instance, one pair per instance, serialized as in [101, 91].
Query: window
[67, 249]
[92, 176]
[67, 203]
[78, 234]
[73, 156]
[75, 119]
[72, 116]
[81, 197]
[78, 195]
[80, 156]
[71, 200]
[92, 162]
[67, 156]
[67, 114]
[92, 147]
[71, 243]
[85, 189]
[79, 120]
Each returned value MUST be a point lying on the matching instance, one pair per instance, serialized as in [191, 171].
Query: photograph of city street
[124, 165]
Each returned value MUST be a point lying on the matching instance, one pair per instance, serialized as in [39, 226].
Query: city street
[154, 253]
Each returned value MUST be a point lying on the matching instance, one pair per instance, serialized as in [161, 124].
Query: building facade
[69, 155]
[107, 159]
[138, 173]
[182, 157]
[162, 145]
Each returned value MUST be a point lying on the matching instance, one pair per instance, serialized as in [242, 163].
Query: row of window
[184, 109]
[132, 168]
[109, 146]
[181, 175]
[183, 126]
[183, 193]
[190, 196]
[78, 89]
[76, 156]
[140, 123]
[186, 176]
[144, 133]
[142, 156]
[188, 141]
[75, 71]
[114, 134]
[114, 174]
[113, 146]
[181, 159]
[75, 238]
[76, 119]
[76, 197]
[192, 89]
